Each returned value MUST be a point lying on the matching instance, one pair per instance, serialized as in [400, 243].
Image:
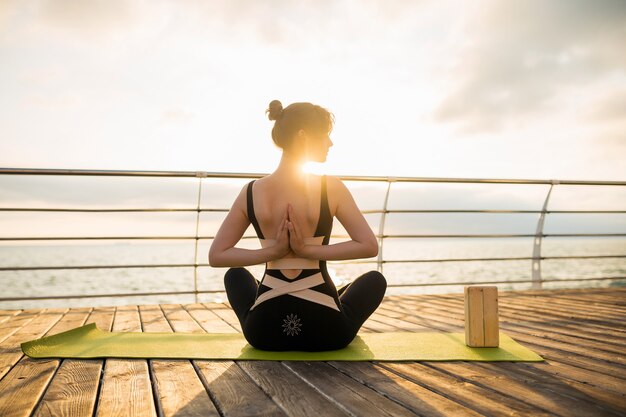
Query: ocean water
[40, 283]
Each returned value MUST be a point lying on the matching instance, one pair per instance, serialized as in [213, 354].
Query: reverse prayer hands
[282, 239]
[296, 241]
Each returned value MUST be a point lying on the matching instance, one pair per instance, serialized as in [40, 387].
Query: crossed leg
[241, 288]
[362, 296]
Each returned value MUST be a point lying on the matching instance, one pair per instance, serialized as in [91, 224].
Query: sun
[314, 168]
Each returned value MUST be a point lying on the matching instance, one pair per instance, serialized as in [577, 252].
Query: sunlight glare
[314, 168]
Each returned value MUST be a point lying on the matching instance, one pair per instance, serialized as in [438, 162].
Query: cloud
[611, 108]
[88, 17]
[609, 117]
[521, 56]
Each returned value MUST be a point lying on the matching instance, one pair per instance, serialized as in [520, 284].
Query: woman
[296, 306]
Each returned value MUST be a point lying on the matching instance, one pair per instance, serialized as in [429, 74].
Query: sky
[531, 89]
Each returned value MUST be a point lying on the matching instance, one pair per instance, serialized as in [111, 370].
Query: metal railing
[536, 258]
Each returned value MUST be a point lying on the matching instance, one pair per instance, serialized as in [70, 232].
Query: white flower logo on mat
[291, 324]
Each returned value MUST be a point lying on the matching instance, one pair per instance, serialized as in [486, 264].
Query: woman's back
[271, 194]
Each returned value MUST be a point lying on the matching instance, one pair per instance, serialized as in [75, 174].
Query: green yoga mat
[89, 341]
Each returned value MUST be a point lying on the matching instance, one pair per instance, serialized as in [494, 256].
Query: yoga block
[481, 316]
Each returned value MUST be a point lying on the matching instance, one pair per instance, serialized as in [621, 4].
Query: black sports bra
[324, 224]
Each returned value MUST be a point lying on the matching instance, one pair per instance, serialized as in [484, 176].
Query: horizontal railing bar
[498, 211]
[165, 210]
[522, 258]
[205, 174]
[333, 236]
[136, 294]
[103, 238]
[502, 282]
[50, 297]
[517, 235]
[390, 261]
[52, 268]
[127, 173]
[108, 210]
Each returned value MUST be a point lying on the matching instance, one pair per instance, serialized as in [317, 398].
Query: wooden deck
[581, 333]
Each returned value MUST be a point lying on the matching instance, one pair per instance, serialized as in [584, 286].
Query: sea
[431, 268]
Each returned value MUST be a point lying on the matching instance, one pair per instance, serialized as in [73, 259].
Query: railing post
[536, 261]
[199, 175]
[381, 227]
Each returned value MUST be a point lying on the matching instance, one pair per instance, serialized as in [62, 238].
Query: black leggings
[359, 299]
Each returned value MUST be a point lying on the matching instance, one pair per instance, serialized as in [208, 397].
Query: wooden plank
[571, 291]
[215, 306]
[234, 392]
[530, 318]
[207, 319]
[464, 391]
[288, 390]
[180, 319]
[18, 321]
[347, 393]
[591, 303]
[103, 318]
[228, 316]
[394, 317]
[540, 305]
[538, 386]
[73, 390]
[126, 388]
[574, 331]
[607, 296]
[179, 390]
[600, 298]
[564, 308]
[420, 400]
[8, 315]
[376, 326]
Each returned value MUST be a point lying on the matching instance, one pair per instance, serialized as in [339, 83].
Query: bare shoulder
[335, 183]
[241, 201]
[336, 191]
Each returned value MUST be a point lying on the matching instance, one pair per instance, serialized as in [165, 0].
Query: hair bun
[275, 110]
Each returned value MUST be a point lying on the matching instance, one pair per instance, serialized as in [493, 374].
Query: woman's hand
[282, 239]
[295, 236]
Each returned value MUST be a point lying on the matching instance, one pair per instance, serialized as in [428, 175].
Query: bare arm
[363, 243]
[223, 253]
